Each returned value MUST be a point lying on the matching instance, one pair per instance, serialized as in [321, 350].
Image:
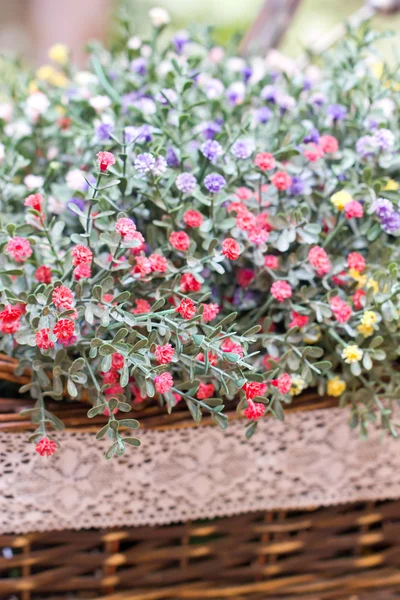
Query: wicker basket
[342, 552]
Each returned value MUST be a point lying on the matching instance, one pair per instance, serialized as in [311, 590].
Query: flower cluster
[188, 226]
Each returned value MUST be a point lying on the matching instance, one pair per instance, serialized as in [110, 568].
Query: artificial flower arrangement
[185, 226]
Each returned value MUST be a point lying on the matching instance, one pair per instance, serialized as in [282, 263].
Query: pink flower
[81, 255]
[63, 297]
[254, 388]
[42, 339]
[340, 309]
[281, 290]
[142, 306]
[164, 354]
[258, 235]
[46, 447]
[237, 207]
[283, 383]
[19, 249]
[354, 210]
[64, 329]
[82, 271]
[254, 410]
[319, 260]
[245, 220]
[329, 144]
[10, 319]
[105, 160]
[210, 312]
[179, 240]
[193, 218]
[298, 320]
[189, 283]
[265, 161]
[35, 201]
[230, 249]
[266, 361]
[186, 308]
[212, 358]
[43, 274]
[243, 193]
[206, 390]
[271, 262]
[163, 383]
[142, 267]
[125, 227]
[229, 345]
[117, 361]
[312, 152]
[356, 261]
[281, 180]
[158, 263]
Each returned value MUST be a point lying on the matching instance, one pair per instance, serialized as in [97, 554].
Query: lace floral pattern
[311, 459]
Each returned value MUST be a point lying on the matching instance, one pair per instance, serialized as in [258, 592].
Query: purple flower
[384, 139]
[141, 135]
[247, 72]
[336, 112]
[211, 149]
[139, 66]
[128, 100]
[382, 207]
[180, 40]
[391, 223]
[312, 136]
[214, 88]
[269, 93]
[214, 182]
[285, 102]
[77, 202]
[104, 131]
[160, 166]
[236, 93]
[297, 187]
[186, 182]
[211, 128]
[366, 146]
[172, 158]
[145, 162]
[241, 149]
[318, 99]
[263, 114]
[167, 96]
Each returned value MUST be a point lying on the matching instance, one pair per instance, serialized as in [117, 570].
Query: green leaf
[232, 357]
[131, 423]
[96, 410]
[102, 432]
[132, 441]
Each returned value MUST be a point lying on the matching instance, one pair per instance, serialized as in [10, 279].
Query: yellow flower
[45, 72]
[59, 53]
[391, 186]
[298, 385]
[355, 274]
[377, 69]
[33, 87]
[352, 354]
[365, 330]
[313, 335]
[340, 199]
[336, 387]
[374, 284]
[368, 318]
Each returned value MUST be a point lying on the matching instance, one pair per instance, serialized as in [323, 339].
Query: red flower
[329, 144]
[210, 312]
[64, 329]
[158, 263]
[43, 274]
[254, 388]
[265, 161]
[254, 410]
[212, 358]
[281, 180]
[357, 297]
[10, 319]
[206, 390]
[179, 240]
[35, 201]
[117, 361]
[42, 339]
[186, 308]
[81, 255]
[142, 306]
[193, 218]
[281, 290]
[298, 320]
[319, 260]
[46, 447]
[142, 267]
[229, 345]
[163, 383]
[105, 160]
[283, 383]
[164, 354]
[230, 249]
[354, 210]
[356, 261]
[188, 283]
[244, 277]
[62, 297]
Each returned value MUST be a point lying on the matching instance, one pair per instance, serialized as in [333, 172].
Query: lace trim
[313, 458]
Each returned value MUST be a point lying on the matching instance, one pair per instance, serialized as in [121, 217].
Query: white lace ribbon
[312, 459]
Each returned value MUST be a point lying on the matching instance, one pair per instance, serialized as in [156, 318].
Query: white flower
[159, 16]
[55, 205]
[85, 78]
[75, 180]
[52, 152]
[100, 103]
[235, 64]
[37, 104]
[134, 42]
[17, 130]
[216, 54]
[145, 51]
[146, 105]
[2, 153]
[33, 182]
[6, 111]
